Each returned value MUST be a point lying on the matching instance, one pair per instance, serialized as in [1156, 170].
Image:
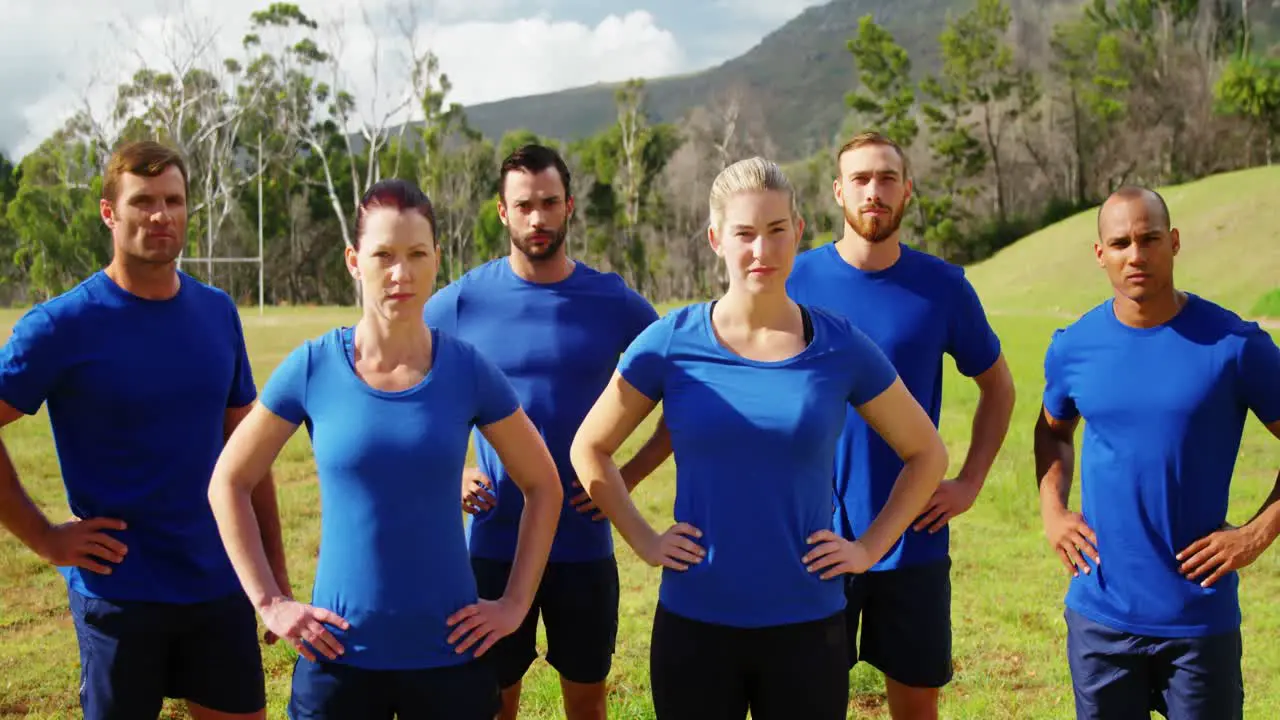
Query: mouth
[397, 297]
[1138, 278]
[762, 271]
[875, 211]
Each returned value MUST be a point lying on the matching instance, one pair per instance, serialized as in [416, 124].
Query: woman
[395, 622]
[754, 390]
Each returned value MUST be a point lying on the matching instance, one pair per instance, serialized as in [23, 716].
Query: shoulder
[811, 261]
[88, 296]
[1097, 320]
[840, 332]
[933, 271]
[480, 276]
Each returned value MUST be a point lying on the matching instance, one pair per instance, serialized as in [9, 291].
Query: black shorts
[133, 655]
[703, 671]
[905, 615]
[578, 602]
[331, 691]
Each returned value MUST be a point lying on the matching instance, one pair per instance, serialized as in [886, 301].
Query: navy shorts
[332, 691]
[1119, 675]
[133, 655]
[578, 602]
[905, 616]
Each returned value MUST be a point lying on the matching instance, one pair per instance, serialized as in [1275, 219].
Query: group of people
[810, 523]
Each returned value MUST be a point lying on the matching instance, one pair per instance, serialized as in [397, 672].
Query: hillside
[803, 68]
[1230, 230]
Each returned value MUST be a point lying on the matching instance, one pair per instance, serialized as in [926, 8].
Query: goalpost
[209, 260]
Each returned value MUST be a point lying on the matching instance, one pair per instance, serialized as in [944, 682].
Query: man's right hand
[477, 492]
[79, 542]
[1071, 537]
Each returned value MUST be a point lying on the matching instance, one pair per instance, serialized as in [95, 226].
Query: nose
[162, 215]
[401, 272]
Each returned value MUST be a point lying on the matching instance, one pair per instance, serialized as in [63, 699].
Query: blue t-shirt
[753, 444]
[1163, 411]
[137, 393]
[915, 311]
[393, 556]
[558, 344]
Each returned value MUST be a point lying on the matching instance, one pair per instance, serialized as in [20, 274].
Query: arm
[996, 397]
[616, 414]
[79, 543]
[532, 469]
[241, 469]
[1068, 533]
[653, 453]
[263, 499]
[896, 416]
[1233, 548]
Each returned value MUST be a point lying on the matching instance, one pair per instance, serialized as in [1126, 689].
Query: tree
[888, 98]
[1250, 88]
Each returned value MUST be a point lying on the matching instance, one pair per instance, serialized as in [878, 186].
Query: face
[396, 263]
[1136, 248]
[872, 191]
[758, 239]
[536, 213]
[148, 219]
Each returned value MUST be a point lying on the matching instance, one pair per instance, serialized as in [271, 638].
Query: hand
[673, 549]
[952, 498]
[486, 622]
[477, 492]
[300, 623]
[840, 555]
[582, 502]
[1070, 536]
[286, 589]
[1230, 548]
[78, 542]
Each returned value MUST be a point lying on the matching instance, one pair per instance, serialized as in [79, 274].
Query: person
[916, 308]
[555, 327]
[144, 371]
[394, 627]
[1164, 380]
[754, 388]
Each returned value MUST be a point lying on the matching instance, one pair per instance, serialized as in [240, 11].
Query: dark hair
[394, 193]
[144, 157]
[533, 158]
[1138, 192]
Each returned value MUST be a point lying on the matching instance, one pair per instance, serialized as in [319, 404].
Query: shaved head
[1157, 210]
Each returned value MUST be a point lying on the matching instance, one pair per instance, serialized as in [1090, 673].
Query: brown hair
[144, 157]
[399, 195]
[872, 137]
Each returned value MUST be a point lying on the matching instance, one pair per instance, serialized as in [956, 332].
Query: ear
[908, 188]
[568, 203]
[351, 255]
[502, 211]
[713, 240]
[107, 213]
[838, 191]
[1177, 241]
[799, 230]
[1097, 253]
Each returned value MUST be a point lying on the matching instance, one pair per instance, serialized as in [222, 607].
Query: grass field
[1008, 587]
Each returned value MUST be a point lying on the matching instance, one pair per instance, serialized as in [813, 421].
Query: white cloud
[54, 54]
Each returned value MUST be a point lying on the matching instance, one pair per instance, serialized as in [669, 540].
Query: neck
[390, 343]
[551, 270]
[756, 310]
[151, 281]
[1151, 312]
[865, 255]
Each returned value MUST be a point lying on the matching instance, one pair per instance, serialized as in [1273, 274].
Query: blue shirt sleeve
[243, 390]
[1057, 395]
[31, 362]
[285, 393]
[642, 314]
[1260, 374]
[495, 397]
[873, 373]
[970, 338]
[643, 364]
[441, 311]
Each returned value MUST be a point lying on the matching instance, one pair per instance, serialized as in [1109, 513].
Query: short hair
[750, 175]
[1137, 192]
[147, 158]
[397, 194]
[533, 158]
[871, 137]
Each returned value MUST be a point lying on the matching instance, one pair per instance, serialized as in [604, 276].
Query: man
[145, 374]
[556, 328]
[1164, 381]
[916, 308]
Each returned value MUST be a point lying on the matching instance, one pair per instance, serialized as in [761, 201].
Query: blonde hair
[750, 175]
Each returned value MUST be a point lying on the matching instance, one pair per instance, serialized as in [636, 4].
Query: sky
[57, 56]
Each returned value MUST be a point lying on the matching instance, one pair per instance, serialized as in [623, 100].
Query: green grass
[1268, 306]
[1008, 586]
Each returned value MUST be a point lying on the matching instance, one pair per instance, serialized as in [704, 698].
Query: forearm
[233, 508]
[603, 481]
[920, 476]
[1054, 460]
[652, 454]
[990, 427]
[1266, 522]
[267, 513]
[18, 512]
[533, 543]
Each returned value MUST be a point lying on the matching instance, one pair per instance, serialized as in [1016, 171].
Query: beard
[876, 228]
[554, 241]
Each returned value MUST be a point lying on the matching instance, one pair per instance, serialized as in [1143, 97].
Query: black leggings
[702, 671]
